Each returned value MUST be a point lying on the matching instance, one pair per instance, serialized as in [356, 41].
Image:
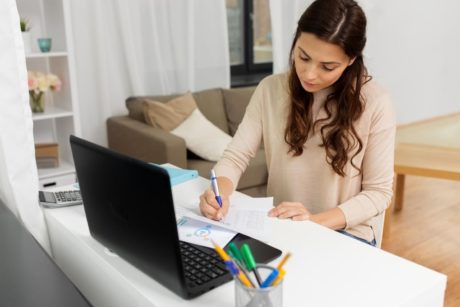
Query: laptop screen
[129, 209]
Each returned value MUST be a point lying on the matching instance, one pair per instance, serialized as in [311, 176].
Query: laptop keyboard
[201, 265]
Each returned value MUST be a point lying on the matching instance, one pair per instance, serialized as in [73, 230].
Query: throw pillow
[181, 117]
[202, 137]
[168, 115]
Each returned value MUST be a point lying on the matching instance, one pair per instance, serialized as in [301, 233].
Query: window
[250, 43]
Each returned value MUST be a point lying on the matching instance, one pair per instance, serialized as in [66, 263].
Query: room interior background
[125, 48]
[172, 46]
[164, 47]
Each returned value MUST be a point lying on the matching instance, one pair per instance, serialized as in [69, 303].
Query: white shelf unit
[51, 18]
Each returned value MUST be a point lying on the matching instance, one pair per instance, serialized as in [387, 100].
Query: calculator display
[49, 197]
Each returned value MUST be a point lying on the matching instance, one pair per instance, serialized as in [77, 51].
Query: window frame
[248, 67]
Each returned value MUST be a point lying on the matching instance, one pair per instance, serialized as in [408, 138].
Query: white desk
[326, 269]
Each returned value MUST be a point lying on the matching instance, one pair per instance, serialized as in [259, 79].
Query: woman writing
[327, 128]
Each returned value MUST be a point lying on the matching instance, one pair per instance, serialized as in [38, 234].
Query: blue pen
[267, 282]
[215, 188]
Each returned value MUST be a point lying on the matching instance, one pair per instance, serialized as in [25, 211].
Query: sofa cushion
[210, 102]
[235, 102]
[202, 137]
[135, 105]
[169, 115]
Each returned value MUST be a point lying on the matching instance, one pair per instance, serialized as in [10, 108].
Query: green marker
[239, 264]
[250, 262]
[235, 252]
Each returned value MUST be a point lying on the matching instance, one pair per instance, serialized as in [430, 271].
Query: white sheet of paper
[246, 215]
[197, 232]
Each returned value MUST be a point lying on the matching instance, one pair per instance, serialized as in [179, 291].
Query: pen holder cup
[258, 297]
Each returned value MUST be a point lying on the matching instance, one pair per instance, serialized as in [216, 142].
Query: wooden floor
[427, 229]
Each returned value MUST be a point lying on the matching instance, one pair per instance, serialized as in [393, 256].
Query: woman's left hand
[290, 210]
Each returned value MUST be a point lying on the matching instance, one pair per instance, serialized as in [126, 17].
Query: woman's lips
[308, 84]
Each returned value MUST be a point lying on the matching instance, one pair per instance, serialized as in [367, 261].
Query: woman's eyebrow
[324, 63]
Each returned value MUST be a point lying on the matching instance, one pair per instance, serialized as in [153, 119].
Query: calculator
[60, 198]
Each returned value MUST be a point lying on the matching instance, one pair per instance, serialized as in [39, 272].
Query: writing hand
[210, 208]
[290, 210]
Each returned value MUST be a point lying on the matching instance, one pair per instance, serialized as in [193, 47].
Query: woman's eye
[304, 59]
[328, 68]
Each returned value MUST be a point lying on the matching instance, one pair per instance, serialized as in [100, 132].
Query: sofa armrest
[144, 142]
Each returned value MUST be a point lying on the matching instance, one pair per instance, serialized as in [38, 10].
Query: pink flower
[32, 84]
[40, 82]
[54, 82]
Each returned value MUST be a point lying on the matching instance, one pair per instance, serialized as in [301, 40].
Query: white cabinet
[51, 18]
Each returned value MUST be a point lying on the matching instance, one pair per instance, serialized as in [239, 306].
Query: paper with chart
[246, 215]
[201, 233]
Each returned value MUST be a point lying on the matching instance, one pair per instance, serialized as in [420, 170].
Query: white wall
[413, 49]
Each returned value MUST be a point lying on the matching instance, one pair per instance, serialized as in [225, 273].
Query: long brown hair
[343, 23]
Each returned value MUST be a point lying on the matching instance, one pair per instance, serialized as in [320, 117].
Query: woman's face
[318, 64]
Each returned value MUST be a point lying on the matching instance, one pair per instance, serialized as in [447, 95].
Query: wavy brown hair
[343, 23]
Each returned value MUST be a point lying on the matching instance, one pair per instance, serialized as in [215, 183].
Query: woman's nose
[310, 73]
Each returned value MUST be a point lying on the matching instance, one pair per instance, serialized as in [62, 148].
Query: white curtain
[18, 172]
[284, 15]
[144, 47]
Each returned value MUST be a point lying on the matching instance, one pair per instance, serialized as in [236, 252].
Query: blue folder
[179, 175]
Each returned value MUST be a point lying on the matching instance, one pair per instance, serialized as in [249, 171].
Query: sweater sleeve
[245, 142]
[377, 167]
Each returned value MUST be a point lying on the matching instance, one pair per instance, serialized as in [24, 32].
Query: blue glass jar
[44, 44]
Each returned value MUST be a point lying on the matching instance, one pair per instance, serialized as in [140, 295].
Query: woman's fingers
[206, 209]
[210, 208]
[301, 217]
[294, 210]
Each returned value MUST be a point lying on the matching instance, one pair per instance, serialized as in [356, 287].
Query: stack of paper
[246, 215]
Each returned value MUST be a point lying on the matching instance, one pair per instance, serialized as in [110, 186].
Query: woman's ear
[352, 61]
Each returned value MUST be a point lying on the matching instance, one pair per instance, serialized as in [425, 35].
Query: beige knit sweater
[308, 178]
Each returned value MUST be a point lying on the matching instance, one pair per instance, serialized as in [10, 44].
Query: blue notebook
[179, 175]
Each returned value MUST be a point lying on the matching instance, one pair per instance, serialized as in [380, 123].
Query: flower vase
[26, 38]
[37, 101]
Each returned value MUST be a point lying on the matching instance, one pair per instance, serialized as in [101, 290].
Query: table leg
[387, 221]
[399, 191]
[396, 203]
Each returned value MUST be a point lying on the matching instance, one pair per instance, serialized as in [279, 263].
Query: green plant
[25, 26]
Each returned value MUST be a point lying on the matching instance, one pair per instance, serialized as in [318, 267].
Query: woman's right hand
[210, 208]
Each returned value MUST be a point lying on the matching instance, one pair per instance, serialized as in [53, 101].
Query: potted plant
[25, 31]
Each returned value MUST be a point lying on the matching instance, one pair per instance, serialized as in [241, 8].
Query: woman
[328, 130]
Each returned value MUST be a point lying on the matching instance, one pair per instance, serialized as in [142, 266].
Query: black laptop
[129, 208]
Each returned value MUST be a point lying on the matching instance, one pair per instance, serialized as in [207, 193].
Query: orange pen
[283, 261]
[279, 278]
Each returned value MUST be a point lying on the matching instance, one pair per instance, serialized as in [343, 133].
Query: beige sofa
[131, 135]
